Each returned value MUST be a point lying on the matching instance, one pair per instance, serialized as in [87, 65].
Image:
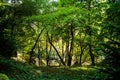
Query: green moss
[3, 77]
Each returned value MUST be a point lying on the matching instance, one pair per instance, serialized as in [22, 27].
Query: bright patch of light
[53, 0]
[15, 1]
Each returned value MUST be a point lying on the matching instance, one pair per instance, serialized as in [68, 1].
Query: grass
[16, 70]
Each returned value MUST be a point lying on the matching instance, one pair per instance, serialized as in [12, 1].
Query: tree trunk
[91, 55]
[90, 34]
[55, 50]
[67, 51]
[69, 59]
[71, 46]
[31, 52]
[90, 49]
[47, 54]
[63, 51]
[82, 48]
[81, 53]
[39, 56]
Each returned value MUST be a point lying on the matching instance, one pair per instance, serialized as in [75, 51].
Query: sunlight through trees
[61, 33]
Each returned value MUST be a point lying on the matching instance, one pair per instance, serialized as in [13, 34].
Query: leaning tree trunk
[31, 53]
[55, 50]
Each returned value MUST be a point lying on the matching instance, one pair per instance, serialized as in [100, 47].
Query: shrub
[3, 77]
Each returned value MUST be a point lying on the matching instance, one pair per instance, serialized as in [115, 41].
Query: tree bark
[39, 56]
[91, 55]
[63, 51]
[55, 50]
[31, 52]
[90, 49]
[90, 34]
[71, 46]
[47, 54]
[82, 48]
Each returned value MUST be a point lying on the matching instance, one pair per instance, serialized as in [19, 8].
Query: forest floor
[68, 73]
[16, 70]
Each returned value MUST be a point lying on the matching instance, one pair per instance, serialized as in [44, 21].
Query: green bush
[3, 77]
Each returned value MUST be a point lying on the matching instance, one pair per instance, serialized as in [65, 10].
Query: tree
[6, 42]
[76, 24]
[112, 44]
[11, 18]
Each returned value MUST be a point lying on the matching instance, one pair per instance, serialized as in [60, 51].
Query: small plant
[3, 77]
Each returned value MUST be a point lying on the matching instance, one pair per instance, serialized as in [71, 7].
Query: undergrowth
[16, 70]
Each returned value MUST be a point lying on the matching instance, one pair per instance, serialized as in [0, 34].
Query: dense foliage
[60, 33]
[112, 45]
